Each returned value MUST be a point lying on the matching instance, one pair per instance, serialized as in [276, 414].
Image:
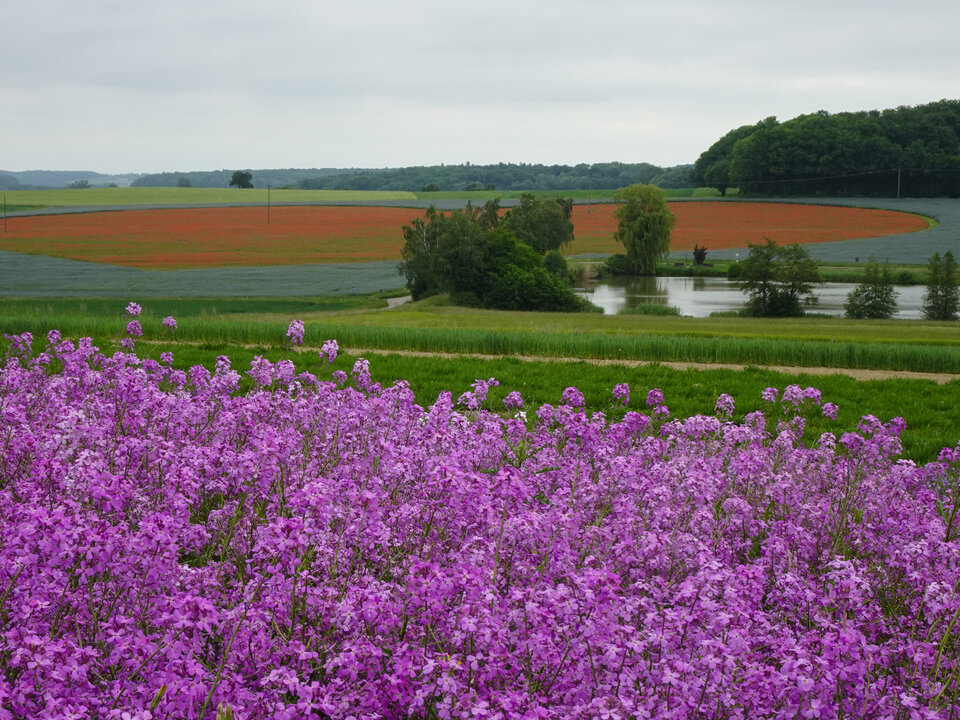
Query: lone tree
[874, 298]
[779, 280]
[941, 301]
[241, 179]
[644, 226]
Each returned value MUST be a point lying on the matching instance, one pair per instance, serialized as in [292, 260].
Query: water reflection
[698, 297]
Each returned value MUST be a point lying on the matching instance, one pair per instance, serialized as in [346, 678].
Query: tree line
[502, 176]
[906, 151]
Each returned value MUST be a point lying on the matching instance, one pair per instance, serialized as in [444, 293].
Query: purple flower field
[323, 547]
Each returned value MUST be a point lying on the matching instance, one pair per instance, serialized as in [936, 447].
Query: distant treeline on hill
[905, 152]
[503, 176]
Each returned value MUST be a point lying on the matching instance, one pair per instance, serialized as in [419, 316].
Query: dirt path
[856, 374]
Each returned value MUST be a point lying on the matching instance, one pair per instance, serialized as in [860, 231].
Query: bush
[942, 299]
[616, 265]
[555, 264]
[651, 309]
[875, 297]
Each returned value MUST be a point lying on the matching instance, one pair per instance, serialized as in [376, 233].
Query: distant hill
[902, 152]
[503, 176]
[39, 179]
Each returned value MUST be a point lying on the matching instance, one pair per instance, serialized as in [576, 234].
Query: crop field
[172, 239]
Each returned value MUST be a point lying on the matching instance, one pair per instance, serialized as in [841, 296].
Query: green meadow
[120, 196]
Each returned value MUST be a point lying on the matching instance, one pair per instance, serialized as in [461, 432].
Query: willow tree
[644, 225]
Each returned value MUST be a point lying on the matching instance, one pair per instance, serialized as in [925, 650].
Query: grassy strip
[190, 196]
[431, 313]
[581, 195]
[840, 272]
[667, 348]
[110, 308]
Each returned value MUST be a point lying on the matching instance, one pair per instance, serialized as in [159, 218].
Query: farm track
[856, 374]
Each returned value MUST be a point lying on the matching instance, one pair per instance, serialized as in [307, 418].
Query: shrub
[875, 297]
[942, 298]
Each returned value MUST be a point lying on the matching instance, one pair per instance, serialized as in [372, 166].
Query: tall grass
[665, 348]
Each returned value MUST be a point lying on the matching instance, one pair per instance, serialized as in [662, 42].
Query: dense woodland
[904, 152]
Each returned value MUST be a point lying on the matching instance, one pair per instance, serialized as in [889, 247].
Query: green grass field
[108, 197]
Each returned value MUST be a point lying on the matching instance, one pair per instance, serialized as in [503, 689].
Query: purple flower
[830, 410]
[169, 322]
[621, 393]
[513, 400]
[770, 394]
[329, 349]
[133, 309]
[295, 332]
[572, 397]
[725, 405]
[134, 329]
[655, 397]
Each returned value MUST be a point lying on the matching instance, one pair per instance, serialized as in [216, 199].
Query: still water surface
[698, 297]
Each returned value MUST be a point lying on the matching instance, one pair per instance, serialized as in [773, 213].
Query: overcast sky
[145, 85]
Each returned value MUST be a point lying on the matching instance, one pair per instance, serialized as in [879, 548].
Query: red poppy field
[241, 236]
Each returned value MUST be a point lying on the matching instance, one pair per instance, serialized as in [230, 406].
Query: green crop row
[664, 348]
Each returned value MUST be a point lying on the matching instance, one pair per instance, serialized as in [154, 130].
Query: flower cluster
[329, 351]
[169, 322]
[621, 394]
[334, 550]
[295, 332]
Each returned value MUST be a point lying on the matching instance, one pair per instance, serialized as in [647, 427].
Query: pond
[698, 297]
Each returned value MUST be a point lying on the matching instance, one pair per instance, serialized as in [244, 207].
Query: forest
[901, 152]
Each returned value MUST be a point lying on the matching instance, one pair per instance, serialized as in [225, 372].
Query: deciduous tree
[241, 179]
[942, 298]
[778, 279]
[645, 222]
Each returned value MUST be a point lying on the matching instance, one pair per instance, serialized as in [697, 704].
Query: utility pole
[899, 170]
[268, 204]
